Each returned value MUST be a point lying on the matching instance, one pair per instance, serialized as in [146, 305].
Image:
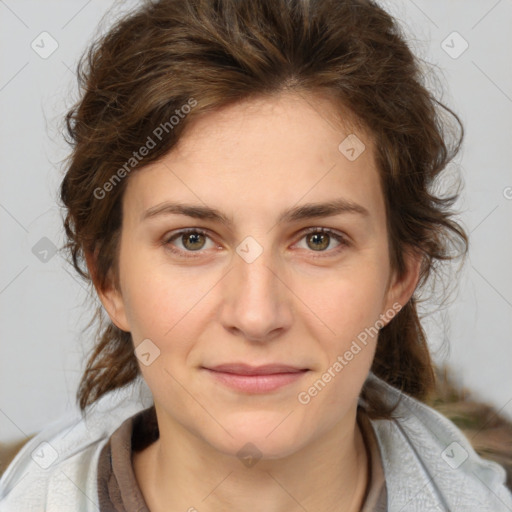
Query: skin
[294, 304]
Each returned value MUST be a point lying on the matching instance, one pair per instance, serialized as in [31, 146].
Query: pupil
[194, 238]
[317, 237]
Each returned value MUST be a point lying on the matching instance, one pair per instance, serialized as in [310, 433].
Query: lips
[244, 378]
[245, 369]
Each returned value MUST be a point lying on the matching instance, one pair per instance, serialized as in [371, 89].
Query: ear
[110, 296]
[400, 289]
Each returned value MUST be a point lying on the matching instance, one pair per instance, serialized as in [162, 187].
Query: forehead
[262, 155]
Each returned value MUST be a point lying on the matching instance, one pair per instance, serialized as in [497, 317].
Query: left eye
[319, 239]
[194, 240]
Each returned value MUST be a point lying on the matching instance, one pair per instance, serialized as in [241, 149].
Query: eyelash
[186, 254]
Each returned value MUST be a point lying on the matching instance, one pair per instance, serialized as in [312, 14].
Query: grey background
[42, 303]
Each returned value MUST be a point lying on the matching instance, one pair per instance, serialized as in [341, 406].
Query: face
[263, 277]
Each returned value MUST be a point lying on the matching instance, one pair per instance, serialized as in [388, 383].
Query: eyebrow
[298, 213]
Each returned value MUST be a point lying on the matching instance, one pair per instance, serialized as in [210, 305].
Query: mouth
[255, 379]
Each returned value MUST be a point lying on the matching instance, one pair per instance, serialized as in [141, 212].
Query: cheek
[167, 306]
[149, 307]
[350, 310]
[352, 300]
[348, 347]
[154, 299]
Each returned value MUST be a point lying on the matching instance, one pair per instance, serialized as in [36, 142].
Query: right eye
[191, 239]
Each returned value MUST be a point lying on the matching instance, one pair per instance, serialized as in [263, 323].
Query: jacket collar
[429, 464]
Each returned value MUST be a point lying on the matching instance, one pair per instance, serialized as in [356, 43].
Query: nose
[256, 301]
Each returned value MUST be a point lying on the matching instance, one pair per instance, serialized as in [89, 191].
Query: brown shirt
[118, 490]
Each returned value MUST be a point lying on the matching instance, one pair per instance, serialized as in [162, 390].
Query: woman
[250, 191]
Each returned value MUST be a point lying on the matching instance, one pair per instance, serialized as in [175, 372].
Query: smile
[254, 383]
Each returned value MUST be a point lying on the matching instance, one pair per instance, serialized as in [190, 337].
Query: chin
[262, 441]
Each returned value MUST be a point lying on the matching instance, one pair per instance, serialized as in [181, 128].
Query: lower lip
[256, 383]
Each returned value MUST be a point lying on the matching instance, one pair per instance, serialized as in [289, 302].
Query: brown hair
[211, 53]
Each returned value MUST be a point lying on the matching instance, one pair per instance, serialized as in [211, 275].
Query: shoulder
[429, 464]
[58, 466]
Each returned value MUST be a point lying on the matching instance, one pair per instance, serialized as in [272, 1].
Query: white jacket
[429, 465]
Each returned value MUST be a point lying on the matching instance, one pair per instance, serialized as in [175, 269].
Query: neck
[183, 472]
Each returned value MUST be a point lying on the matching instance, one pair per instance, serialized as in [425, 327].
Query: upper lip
[245, 369]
